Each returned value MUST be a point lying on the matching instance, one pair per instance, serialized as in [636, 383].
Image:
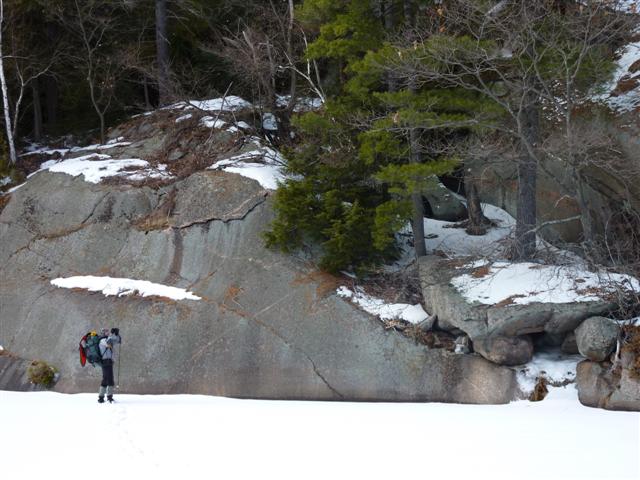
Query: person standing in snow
[107, 353]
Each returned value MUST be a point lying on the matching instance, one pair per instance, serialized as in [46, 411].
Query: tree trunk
[588, 219]
[408, 11]
[416, 197]
[162, 51]
[103, 138]
[270, 86]
[100, 112]
[147, 100]
[51, 101]
[525, 241]
[477, 221]
[37, 110]
[293, 77]
[387, 10]
[525, 245]
[13, 158]
[50, 84]
[417, 223]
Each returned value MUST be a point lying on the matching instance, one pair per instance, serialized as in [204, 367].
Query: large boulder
[268, 325]
[505, 350]
[444, 204]
[600, 385]
[596, 338]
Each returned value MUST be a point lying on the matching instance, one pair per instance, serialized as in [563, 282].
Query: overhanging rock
[481, 321]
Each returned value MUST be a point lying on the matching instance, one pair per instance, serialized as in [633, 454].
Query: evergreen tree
[368, 156]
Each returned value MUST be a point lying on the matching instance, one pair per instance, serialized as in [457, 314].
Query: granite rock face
[268, 325]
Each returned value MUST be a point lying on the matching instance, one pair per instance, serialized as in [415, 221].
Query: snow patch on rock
[123, 287]
[269, 173]
[230, 103]
[385, 311]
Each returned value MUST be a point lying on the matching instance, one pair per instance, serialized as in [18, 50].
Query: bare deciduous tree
[92, 22]
[266, 55]
[21, 69]
[5, 95]
[162, 49]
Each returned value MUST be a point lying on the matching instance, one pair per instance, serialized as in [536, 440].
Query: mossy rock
[41, 373]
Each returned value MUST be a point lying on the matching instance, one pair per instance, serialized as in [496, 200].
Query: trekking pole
[119, 356]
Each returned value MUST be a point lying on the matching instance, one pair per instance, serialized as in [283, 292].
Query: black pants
[107, 373]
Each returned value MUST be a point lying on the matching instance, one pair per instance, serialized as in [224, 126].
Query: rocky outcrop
[603, 386]
[503, 335]
[268, 325]
[489, 325]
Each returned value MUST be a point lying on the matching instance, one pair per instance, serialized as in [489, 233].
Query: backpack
[90, 349]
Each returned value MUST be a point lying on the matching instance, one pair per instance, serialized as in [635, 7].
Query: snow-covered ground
[51, 435]
[268, 173]
[455, 242]
[95, 167]
[230, 103]
[531, 282]
[35, 149]
[266, 169]
[556, 367]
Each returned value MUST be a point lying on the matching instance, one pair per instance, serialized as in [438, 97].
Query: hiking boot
[100, 399]
[110, 398]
